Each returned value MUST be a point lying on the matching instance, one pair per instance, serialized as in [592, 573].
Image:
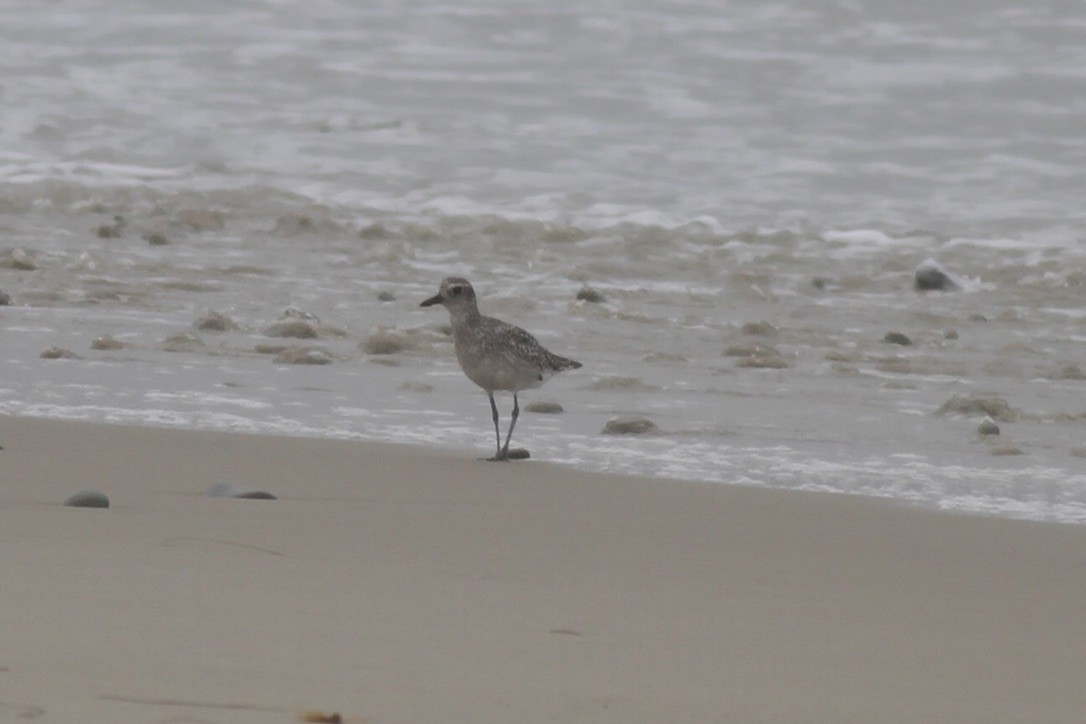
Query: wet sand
[401, 584]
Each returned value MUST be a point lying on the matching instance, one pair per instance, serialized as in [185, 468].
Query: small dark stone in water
[629, 425]
[87, 499]
[755, 349]
[5, 299]
[977, 317]
[1072, 372]
[950, 334]
[304, 356]
[373, 231]
[995, 407]
[214, 322]
[763, 363]
[519, 453]
[386, 297]
[593, 296]
[821, 283]
[106, 342]
[202, 219]
[112, 231]
[761, 329]
[295, 328]
[19, 259]
[156, 239]
[988, 427]
[929, 276]
[544, 407]
[897, 338]
[385, 341]
[182, 342]
[58, 353]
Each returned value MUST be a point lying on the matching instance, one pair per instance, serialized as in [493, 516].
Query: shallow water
[752, 174]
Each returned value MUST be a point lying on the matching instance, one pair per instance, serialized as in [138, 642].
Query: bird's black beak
[436, 299]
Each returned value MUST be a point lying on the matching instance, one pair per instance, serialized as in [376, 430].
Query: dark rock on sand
[897, 338]
[929, 276]
[519, 453]
[304, 356]
[988, 427]
[156, 238]
[87, 499]
[593, 296]
[544, 407]
[58, 353]
[629, 425]
[994, 407]
[226, 490]
[386, 297]
[5, 299]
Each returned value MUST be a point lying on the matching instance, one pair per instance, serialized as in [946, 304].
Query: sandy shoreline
[398, 584]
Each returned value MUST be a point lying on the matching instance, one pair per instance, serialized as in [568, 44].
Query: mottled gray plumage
[494, 354]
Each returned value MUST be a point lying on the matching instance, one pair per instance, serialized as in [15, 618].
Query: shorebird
[494, 354]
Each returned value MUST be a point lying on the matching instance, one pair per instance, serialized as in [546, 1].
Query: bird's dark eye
[455, 291]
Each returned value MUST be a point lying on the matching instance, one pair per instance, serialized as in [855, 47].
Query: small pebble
[544, 407]
[629, 425]
[519, 453]
[156, 239]
[58, 353]
[5, 299]
[897, 338]
[994, 407]
[214, 322]
[988, 426]
[295, 328]
[304, 356]
[593, 296]
[87, 499]
[106, 342]
[182, 342]
[19, 259]
[386, 341]
[763, 363]
[114, 230]
[929, 276]
[226, 490]
[761, 329]
[386, 297]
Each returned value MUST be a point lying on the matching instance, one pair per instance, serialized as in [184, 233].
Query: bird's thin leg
[504, 454]
[497, 432]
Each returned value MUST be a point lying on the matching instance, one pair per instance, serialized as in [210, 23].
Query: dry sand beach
[402, 584]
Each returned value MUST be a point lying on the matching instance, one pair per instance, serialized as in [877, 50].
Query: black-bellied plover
[494, 354]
